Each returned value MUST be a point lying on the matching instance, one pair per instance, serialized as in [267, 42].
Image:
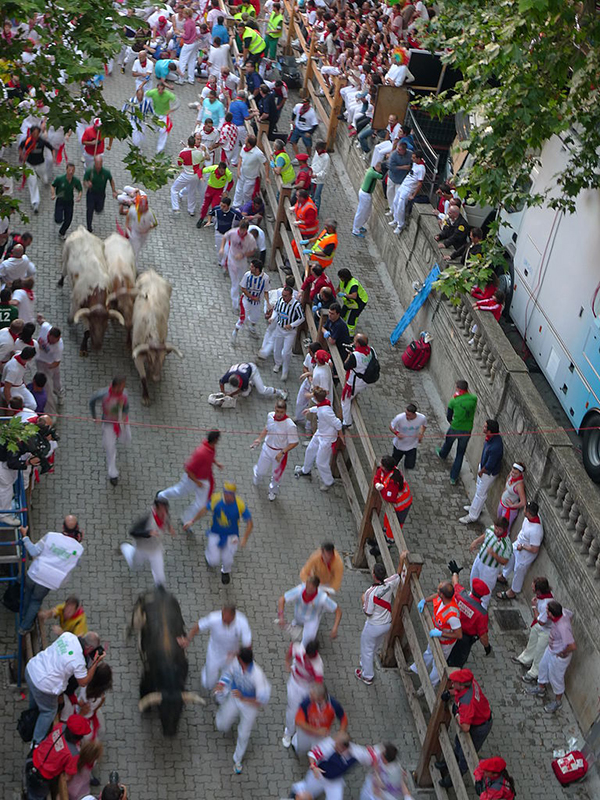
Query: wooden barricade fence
[356, 464]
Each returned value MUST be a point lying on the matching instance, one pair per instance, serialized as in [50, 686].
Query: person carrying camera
[48, 673]
[54, 557]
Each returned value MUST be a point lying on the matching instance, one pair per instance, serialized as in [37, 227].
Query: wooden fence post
[373, 503]
[263, 130]
[440, 715]
[309, 64]
[336, 107]
[291, 30]
[409, 566]
[280, 218]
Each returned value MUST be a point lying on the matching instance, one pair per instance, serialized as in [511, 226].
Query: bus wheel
[591, 446]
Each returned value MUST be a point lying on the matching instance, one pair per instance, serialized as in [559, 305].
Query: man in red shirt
[92, 142]
[473, 618]
[473, 714]
[316, 280]
[57, 753]
[197, 477]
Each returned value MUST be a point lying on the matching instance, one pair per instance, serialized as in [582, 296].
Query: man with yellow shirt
[326, 563]
[71, 617]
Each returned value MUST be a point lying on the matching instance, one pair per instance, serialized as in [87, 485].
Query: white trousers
[187, 60]
[400, 202]
[359, 386]
[296, 692]
[146, 551]
[309, 629]
[216, 661]
[333, 790]
[252, 312]
[552, 670]
[518, 564]
[302, 402]
[489, 575]
[536, 647]
[429, 662]
[188, 182]
[283, 343]
[185, 487]
[380, 151]
[7, 481]
[243, 190]
[236, 271]
[371, 639]
[268, 341]
[482, 488]
[40, 172]
[390, 192]
[363, 210]
[88, 160]
[319, 450]
[109, 442]
[266, 466]
[258, 383]
[302, 741]
[224, 556]
[161, 142]
[231, 711]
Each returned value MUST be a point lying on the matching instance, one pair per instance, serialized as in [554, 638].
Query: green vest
[257, 45]
[250, 10]
[288, 174]
[351, 286]
[275, 25]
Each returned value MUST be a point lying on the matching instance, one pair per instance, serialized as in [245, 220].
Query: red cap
[461, 676]
[162, 20]
[322, 356]
[79, 725]
[302, 157]
[495, 764]
[479, 587]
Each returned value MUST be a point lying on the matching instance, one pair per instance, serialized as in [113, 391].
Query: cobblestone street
[198, 762]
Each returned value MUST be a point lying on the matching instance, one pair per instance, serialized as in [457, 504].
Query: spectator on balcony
[460, 415]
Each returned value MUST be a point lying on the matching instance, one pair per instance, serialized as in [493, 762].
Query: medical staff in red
[393, 488]
[493, 781]
[473, 618]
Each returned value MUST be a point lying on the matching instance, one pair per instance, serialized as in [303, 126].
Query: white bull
[150, 327]
[120, 264]
[85, 266]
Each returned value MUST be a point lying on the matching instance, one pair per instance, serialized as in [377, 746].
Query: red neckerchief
[364, 349]
[323, 403]
[78, 613]
[285, 416]
[546, 596]
[30, 343]
[458, 392]
[247, 149]
[534, 519]
[20, 361]
[14, 336]
[278, 152]
[329, 566]
[502, 535]
[488, 437]
[308, 598]
[157, 519]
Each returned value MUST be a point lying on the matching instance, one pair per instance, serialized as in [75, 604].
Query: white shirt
[397, 73]
[305, 671]
[224, 639]
[328, 424]
[54, 557]
[415, 175]
[383, 591]
[7, 345]
[51, 669]
[261, 242]
[25, 305]
[49, 353]
[309, 118]
[13, 372]
[249, 682]
[320, 166]
[12, 269]
[145, 71]
[531, 534]
[307, 612]
[218, 57]
[323, 378]
[281, 433]
[409, 428]
[252, 161]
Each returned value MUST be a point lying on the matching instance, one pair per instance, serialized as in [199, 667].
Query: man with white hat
[279, 437]
[222, 539]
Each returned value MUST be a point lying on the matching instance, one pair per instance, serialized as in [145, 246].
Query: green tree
[76, 39]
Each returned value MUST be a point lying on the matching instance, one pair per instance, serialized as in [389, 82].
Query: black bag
[373, 370]
[35, 781]
[12, 597]
[26, 723]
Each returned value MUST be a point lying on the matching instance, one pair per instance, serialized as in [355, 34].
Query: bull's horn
[140, 350]
[170, 348]
[83, 313]
[150, 699]
[192, 697]
[114, 314]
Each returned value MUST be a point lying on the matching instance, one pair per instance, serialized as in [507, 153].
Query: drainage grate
[510, 620]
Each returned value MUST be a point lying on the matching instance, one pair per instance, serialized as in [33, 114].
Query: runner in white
[254, 287]
[377, 605]
[305, 666]
[237, 246]
[242, 377]
[320, 448]
[280, 435]
[191, 160]
[229, 631]
[310, 603]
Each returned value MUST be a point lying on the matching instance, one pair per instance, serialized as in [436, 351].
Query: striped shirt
[501, 547]
[289, 313]
[305, 670]
[257, 285]
[250, 682]
[134, 106]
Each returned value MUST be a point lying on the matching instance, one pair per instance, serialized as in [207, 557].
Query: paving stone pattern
[198, 762]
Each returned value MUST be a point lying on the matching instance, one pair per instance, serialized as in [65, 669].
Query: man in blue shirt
[489, 467]
[224, 217]
[219, 30]
[223, 538]
[336, 331]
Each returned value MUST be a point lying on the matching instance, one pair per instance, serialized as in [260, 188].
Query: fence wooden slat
[431, 744]
[410, 565]
[336, 108]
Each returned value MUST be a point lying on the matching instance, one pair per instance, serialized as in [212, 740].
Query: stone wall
[569, 501]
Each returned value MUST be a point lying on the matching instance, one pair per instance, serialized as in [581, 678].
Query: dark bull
[158, 622]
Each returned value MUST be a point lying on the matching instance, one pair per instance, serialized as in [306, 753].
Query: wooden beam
[336, 108]
[431, 745]
[290, 33]
[309, 64]
[408, 567]
[373, 504]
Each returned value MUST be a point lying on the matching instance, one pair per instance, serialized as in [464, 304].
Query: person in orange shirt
[307, 218]
[326, 563]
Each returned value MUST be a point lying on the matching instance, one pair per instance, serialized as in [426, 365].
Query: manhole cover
[510, 620]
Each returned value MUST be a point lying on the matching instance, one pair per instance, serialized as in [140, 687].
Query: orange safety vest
[442, 614]
[322, 242]
[404, 499]
[308, 230]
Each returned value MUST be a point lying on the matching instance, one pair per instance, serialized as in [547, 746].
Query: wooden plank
[415, 649]
[382, 544]
[355, 507]
[452, 764]
[431, 745]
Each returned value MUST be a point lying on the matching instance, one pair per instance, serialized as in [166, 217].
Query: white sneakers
[286, 741]
[466, 520]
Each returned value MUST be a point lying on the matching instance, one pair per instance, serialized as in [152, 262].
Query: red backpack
[417, 354]
[570, 768]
